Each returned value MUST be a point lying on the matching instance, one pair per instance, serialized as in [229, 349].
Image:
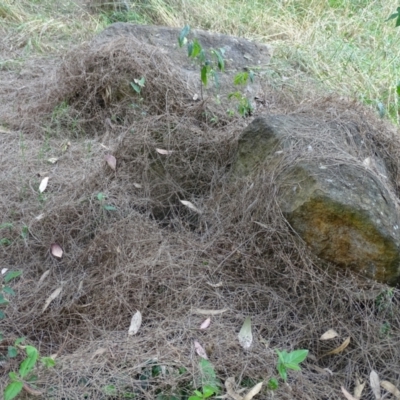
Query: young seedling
[20, 379]
[206, 64]
[290, 361]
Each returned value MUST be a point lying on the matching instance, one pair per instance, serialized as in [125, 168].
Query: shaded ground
[151, 253]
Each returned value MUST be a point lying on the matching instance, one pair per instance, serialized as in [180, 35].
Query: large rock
[334, 190]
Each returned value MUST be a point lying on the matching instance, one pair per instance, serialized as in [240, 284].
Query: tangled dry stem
[155, 255]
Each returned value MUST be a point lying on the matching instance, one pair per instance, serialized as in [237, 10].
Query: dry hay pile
[153, 254]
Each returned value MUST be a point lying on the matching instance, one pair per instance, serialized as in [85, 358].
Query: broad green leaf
[195, 397]
[282, 355]
[220, 60]
[236, 95]
[241, 78]
[204, 71]
[13, 376]
[208, 391]
[100, 196]
[8, 290]
[293, 366]
[19, 341]
[209, 377]
[12, 390]
[137, 89]
[282, 371]
[48, 362]
[190, 48]
[12, 275]
[3, 300]
[12, 352]
[196, 50]
[29, 363]
[296, 356]
[272, 384]
[182, 35]
[202, 56]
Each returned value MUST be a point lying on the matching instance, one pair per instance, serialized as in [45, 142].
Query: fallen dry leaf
[245, 335]
[136, 322]
[329, 334]
[53, 296]
[347, 394]
[99, 352]
[137, 185]
[190, 205]
[56, 250]
[43, 277]
[200, 350]
[375, 384]
[111, 161]
[229, 386]
[358, 389]
[164, 152]
[205, 324]
[391, 389]
[4, 270]
[52, 160]
[214, 285]
[253, 391]
[339, 349]
[208, 312]
[43, 184]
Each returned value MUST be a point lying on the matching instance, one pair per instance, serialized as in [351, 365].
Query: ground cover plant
[145, 272]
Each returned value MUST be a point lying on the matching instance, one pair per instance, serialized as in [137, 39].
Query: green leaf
[220, 60]
[296, 356]
[209, 377]
[24, 232]
[190, 49]
[196, 49]
[8, 290]
[1, 336]
[216, 78]
[11, 275]
[12, 352]
[12, 390]
[293, 366]
[19, 341]
[208, 391]
[136, 88]
[48, 362]
[282, 356]
[6, 225]
[100, 196]
[5, 242]
[195, 397]
[29, 363]
[203, 75]
[13, 376]
[2, 315]
[202, 56]
[272, 384]
[282, 371]
[236, 95]
[3, 300]
[182, 35]
[241, 78]
[251, 76]
[109, 208]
